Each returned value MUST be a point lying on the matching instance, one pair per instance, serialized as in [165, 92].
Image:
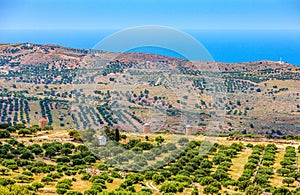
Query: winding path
[151, 186]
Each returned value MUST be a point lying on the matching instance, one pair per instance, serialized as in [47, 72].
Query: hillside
[60, 84]
[58, 105]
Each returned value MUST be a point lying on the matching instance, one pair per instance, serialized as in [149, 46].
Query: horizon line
[221, 29]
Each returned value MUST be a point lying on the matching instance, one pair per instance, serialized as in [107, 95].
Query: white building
[102, 140]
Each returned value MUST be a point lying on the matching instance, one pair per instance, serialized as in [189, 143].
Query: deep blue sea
[223, 45]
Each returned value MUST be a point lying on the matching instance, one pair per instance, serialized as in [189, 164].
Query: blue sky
[119, 14]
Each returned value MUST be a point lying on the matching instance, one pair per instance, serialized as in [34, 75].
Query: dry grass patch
[115, 184]
[237, 168]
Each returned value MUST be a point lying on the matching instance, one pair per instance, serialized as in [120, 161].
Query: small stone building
[43, 122]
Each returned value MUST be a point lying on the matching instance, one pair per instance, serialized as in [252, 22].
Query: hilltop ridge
[25, 53]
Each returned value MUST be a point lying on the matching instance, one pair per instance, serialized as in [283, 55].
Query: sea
[228, 46]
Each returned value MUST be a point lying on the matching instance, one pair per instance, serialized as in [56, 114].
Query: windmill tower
[43, 122]
[146, 128]
[188, 130]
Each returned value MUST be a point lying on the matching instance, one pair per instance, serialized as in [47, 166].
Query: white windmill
[280, 60]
